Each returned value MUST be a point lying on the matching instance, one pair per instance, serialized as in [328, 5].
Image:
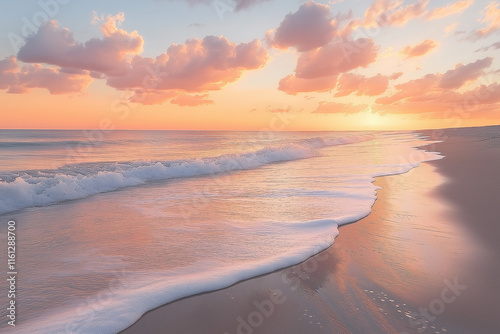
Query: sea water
[112, 225]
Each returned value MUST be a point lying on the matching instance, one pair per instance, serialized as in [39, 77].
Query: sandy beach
[471, 166]
[250, 167]
[422, 262]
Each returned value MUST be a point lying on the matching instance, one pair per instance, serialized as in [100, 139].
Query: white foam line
[53, 187]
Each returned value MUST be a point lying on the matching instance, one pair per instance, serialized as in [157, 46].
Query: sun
[372, 118]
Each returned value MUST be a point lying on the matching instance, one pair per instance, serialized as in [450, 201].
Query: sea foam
[273, 244]
[31, 189]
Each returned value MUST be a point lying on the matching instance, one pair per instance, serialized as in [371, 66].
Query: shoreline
[346, 288]
[471, 167]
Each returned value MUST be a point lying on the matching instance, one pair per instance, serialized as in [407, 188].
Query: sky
[249, 64]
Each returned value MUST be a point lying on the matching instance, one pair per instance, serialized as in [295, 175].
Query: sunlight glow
[373, 119]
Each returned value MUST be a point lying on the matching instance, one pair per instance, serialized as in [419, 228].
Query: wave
[71, 182]
[132, 295]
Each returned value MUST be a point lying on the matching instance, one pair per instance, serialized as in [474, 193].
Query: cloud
[437, 84]
[338, 108]
[396, 76]
[310, 27]
[336, 58]
[235, 5]
[484, 94]
[437, 93]
[63, 65]
[8, 72]
[457, 77]
[326, 49]
[410, 89]
[352, 83]
[245, 4]
[197, 25]
[450, 28]
[19, 80]
[450, 9]
[279, 110]
[56, 46]
[195, 66]
[494, 46]
[56, 81]
[293, 85]
[419, 49]
[492, 21]
[152, 97]
[191, 100]
[318, 70]
[179, 98]
[393, 13]
[483, 101]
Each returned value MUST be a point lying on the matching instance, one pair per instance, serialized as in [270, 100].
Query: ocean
[111, 225]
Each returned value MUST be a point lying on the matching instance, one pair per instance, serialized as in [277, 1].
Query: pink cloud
[450, 9]
[338, 108]
[141, 73]
[56, 81]
[432, 85]
[492, 21]
[482, 101]
[336, 58]
[195, 66]
[327, 51]
[413, 88]
[437, 94]
[8, 72]
[293, 85]
[152, 97]
[484, 94]
[19, 80]
[419, 49]
[310, 27]
[461, 74]
[393, 13]
[56, 46]
[352, 83]
[191, 100]
[396, 76]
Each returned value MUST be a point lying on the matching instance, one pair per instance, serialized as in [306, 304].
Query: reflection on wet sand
[379, 273]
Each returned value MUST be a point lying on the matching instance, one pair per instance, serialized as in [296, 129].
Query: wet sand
[472, 168]
[424, 261]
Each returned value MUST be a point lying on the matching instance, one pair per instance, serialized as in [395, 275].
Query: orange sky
[384, 65]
